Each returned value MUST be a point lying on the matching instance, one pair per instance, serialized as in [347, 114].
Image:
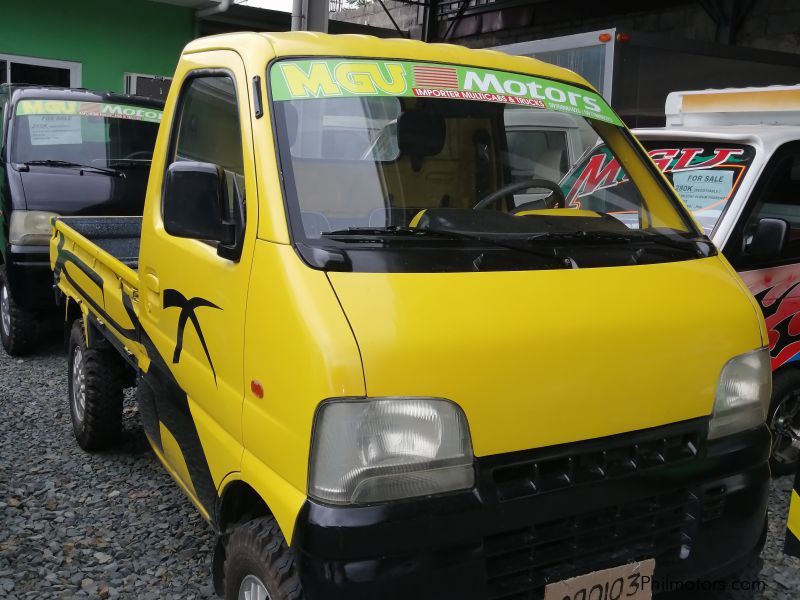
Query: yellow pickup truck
[382, 356]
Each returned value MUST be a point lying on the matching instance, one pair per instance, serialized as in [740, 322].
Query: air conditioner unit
[152, 86]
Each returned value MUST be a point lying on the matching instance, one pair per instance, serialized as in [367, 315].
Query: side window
[777, 197]
[208, 131]
[537, 153]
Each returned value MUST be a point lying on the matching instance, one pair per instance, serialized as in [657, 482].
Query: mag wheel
[784, 421]
[95, 386]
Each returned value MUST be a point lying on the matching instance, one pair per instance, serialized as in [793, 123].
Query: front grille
[519, 563]
[713, 504]
[618, 457]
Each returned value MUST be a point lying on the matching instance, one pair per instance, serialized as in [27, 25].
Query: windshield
[706, 175]
[94, 134]
[460, 164]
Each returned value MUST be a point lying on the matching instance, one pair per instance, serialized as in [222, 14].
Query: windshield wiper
[580, 236]
[71, 165]
[398, 231]
[691, 245]
[392, 230]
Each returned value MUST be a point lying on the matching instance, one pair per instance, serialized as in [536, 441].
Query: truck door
[194, 298]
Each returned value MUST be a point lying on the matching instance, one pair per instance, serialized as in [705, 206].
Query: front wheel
[259, 565]
[17, 326]
[784, 421]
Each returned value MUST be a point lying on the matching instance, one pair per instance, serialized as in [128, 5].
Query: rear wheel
[784, 421]
[259, 565]
[17, 326]
[96, 384]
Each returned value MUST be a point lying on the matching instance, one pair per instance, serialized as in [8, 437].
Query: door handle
[152, 283]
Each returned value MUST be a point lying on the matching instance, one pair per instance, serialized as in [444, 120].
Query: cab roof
[45, 92]
[755, 106]
[309, 43]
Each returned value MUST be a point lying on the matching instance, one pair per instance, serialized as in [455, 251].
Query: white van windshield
[706, 175]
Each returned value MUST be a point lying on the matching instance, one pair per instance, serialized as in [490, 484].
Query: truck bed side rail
[99, 283]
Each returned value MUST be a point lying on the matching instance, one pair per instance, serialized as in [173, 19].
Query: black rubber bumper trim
[30, 278]
[433, 548]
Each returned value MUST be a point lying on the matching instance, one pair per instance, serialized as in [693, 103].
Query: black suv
[62, 152]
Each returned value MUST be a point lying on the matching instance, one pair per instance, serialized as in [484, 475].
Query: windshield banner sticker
[602, 171]
[342, 78]
[88, 109]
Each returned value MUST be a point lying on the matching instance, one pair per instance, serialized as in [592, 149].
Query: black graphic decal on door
[173, 298]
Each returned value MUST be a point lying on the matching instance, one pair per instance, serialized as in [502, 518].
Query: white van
[733, 155]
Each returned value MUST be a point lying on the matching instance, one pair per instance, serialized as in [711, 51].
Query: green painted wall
[108, 37]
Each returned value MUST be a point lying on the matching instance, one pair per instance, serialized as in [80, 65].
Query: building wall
[405, 15]
[108, 37]
[770, 24]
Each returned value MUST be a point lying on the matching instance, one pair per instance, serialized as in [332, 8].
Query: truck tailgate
[94, 260]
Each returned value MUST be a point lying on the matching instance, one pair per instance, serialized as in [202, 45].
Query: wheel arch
[791, 366]
[239, 501]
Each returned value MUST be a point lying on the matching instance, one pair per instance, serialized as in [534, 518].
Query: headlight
[372, 450]
[30, 227]
[743, 394]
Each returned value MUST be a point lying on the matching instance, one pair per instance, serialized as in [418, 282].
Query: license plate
[627, 582]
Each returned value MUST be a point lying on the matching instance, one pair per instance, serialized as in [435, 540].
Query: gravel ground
[78, 525]
[75, 525]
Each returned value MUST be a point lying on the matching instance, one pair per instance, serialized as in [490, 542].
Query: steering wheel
[556, 198]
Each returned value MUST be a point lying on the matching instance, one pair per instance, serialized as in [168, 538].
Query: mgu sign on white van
[332, 78]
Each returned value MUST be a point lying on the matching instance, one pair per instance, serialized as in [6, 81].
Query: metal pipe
[221, 7]
[391, 18]
[298, 16]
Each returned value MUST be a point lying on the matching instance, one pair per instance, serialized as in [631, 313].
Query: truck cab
[62, 152]
[734, 157]
[379, 373]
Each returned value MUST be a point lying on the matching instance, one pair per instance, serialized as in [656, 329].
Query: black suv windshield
[103, 135]
[413, 166]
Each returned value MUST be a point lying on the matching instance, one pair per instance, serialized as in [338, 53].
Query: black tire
[784, 421]
[98, 422]
[18, 330]
[258, 549]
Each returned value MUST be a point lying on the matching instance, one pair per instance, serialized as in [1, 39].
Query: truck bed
[94, 262]
[119, 236]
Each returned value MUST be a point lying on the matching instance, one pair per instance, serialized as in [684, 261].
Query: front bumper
[550, 514]
[30, 278]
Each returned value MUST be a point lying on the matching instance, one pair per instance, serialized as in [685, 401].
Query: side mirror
[769, 238]
[194, 206]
